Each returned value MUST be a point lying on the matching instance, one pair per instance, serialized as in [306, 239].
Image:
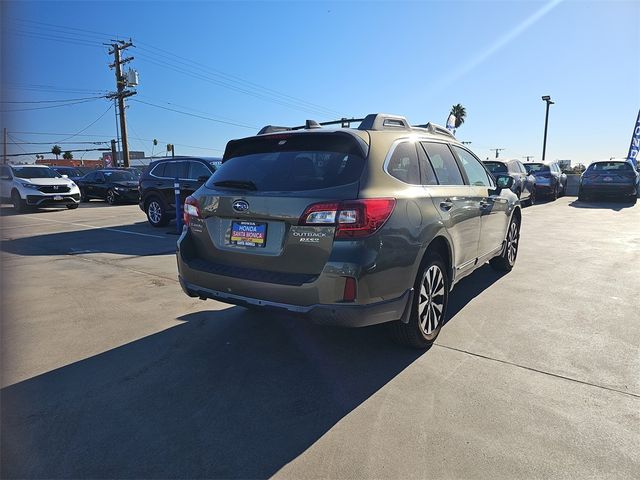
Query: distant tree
[460, 113]
[56, 150]
[67, 155]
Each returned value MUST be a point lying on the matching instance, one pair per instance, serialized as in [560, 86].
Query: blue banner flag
[634, 148]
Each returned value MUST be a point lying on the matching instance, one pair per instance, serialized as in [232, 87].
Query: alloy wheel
[431, 299]
[154, 210]
[111, 198]
[512, 243]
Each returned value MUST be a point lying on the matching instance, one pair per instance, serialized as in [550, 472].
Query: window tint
[291, 162]
[444, 164]
[476, 173]
[426, 169]
[197, 170]
[172, 170]
[496, 167]
[403, 164]
[158, 170]
[609, 166]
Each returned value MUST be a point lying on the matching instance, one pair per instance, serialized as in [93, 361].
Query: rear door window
[403, 164]
[174, 170]
[444, 164]
[426, 169]
[291, 162]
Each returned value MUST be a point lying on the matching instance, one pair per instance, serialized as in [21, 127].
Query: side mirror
[504, 181]
[6, 177]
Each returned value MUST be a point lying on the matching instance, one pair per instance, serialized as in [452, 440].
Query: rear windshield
[610, 166]
[496, 167]
[282, 163]
[536, 167]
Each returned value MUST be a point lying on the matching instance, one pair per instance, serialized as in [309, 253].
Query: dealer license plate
[607, 179]
[58, 197]
[249, 234]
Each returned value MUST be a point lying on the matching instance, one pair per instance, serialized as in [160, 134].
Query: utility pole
[497, 150]
[116, 47]
[528, 157]
[114, 153]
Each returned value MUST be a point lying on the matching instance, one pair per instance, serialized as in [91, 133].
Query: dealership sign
[634, 148]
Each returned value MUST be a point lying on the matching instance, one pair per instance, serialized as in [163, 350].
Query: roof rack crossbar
[435, 128]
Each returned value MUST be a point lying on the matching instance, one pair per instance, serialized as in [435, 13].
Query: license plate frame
[248, 234]
[57, 198]
[608, 179]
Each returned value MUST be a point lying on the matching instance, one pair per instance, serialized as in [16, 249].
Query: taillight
[191, 209]
[352, 218]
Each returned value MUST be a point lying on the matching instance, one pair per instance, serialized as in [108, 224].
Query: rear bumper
[346, 315]
[609, 189]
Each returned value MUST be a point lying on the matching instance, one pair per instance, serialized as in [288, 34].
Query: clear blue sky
[349, 58]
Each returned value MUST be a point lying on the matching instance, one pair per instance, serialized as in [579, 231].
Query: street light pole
[547, 99]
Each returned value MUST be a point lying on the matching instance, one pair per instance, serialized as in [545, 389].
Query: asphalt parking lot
[110, 371]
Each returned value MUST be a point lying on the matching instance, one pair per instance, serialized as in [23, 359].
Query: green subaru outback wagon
[348, 226]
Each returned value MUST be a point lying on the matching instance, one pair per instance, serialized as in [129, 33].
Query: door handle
[446, 205]
[484, 204]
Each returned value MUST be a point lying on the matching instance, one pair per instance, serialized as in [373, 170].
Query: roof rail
[436, 129]
[383, 121]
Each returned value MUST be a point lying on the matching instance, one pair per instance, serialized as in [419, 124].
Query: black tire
[532, 196]
[633, 199]
[73, 207]
[83, 196]
[507, 258]
[554, 192]
[19, 205]
[111, 197]
[431, 290]
[156, 212]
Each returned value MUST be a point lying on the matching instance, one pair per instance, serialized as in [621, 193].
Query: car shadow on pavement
[610, 205]
[469, 288]
[137, 238]
[225, 394]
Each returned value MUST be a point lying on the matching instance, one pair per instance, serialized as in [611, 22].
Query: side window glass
[403, 164]
[197, 170]
[445, 166]
[426, 169]
[158, 170]
[476, 173]
[171, 170]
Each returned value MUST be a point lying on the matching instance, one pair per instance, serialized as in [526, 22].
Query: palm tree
[460, 113]
[56, 150]
[67, 155]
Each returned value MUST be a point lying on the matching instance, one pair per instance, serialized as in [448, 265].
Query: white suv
[37, 186]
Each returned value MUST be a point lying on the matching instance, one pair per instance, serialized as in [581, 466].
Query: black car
[157, 195]
[524, 184]
[550, 180]
[611, 179]
[111, 185]
[72, 173]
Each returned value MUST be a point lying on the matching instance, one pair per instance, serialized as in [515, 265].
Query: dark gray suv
[348, 226]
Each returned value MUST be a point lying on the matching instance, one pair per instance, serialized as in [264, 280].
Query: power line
[51, 101]
[87, 127]
[50, 106]
[194, 115]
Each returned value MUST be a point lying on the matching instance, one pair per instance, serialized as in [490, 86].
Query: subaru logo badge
[240, 206]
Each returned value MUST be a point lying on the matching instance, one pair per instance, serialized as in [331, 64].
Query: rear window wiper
[240, 184]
